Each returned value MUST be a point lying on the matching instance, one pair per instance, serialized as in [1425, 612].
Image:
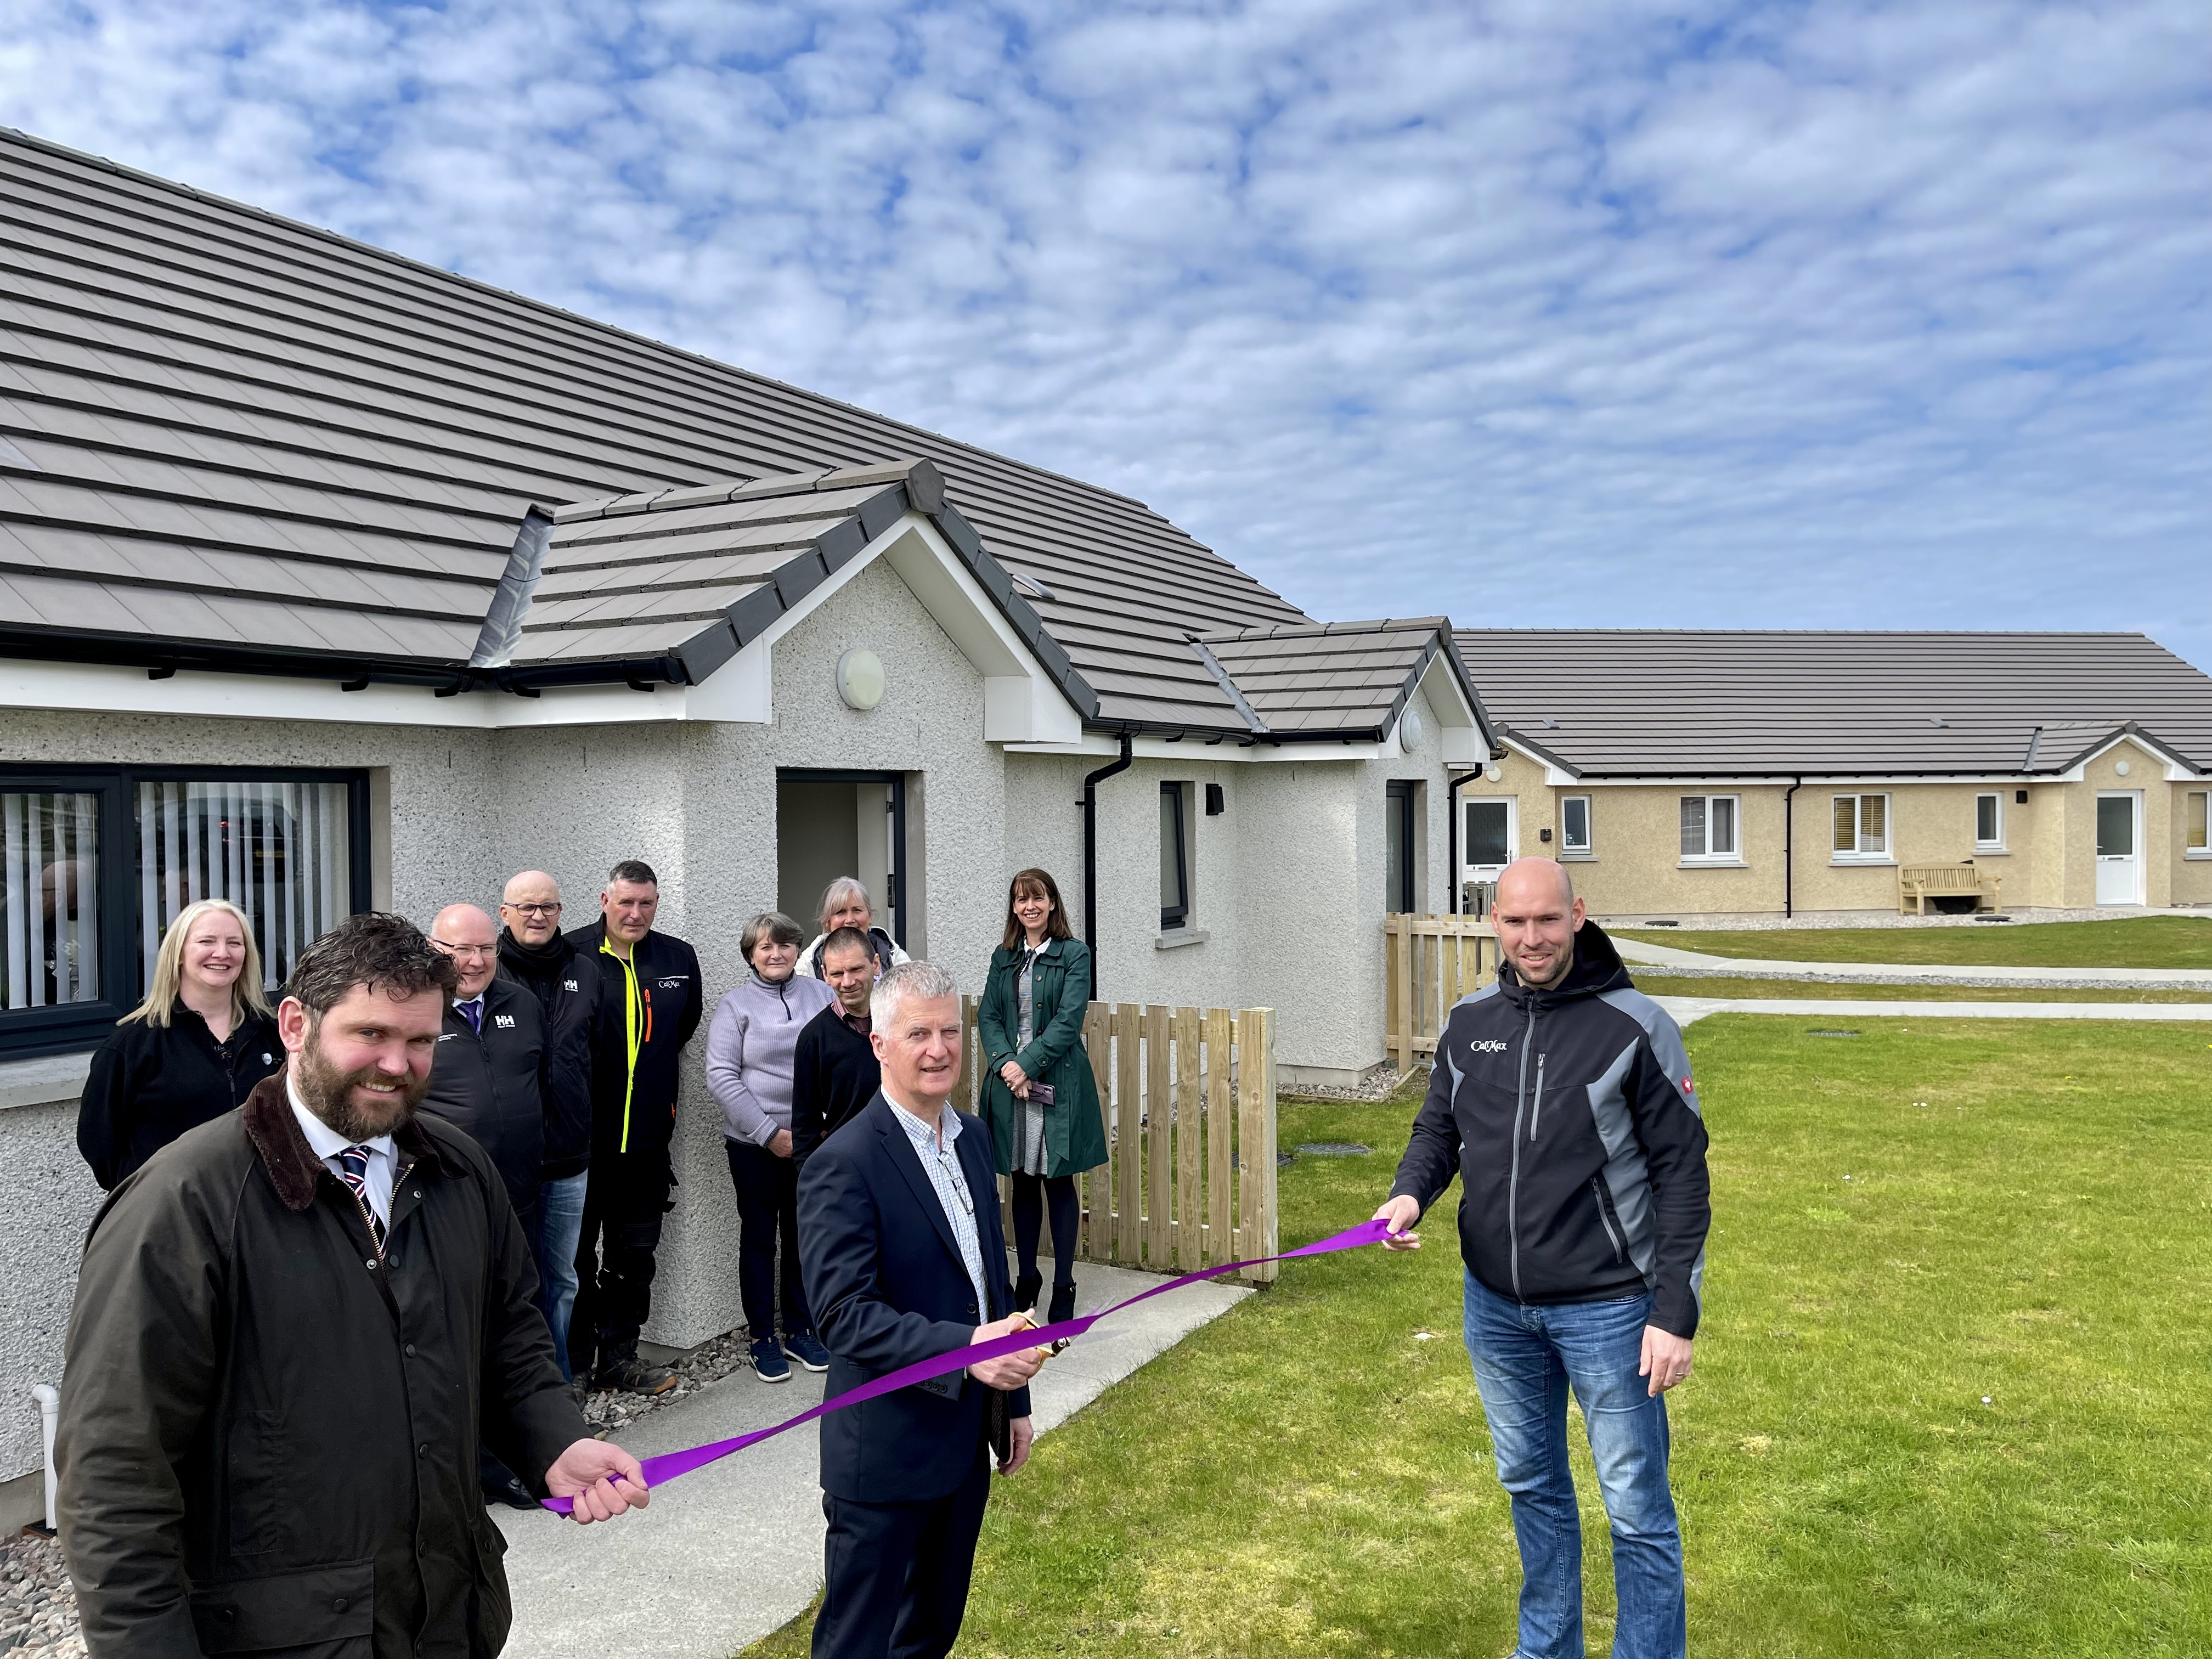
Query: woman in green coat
[1039, 1096]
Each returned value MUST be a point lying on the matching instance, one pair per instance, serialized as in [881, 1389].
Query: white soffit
[1021, 701]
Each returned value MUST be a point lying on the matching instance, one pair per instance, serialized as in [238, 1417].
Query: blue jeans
[560, 1225]
[1525, 1360]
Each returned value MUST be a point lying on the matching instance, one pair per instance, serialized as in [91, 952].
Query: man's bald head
[1536, 914]
[531, 906]
[1549, 875]
[466, 934]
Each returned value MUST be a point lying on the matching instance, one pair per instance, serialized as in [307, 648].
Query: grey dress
[1030, 1155]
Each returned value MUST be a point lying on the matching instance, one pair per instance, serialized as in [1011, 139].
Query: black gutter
[1789, 837]
[1453, 785]
[1089, 805]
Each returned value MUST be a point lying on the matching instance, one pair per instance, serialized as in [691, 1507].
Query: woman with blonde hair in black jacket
[192, 1051]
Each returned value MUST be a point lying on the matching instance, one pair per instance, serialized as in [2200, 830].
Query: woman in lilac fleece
[749, 1049]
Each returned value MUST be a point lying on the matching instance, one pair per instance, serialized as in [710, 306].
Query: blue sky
[1614, 314]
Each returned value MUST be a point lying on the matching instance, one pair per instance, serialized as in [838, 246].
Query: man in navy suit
[900, 1243]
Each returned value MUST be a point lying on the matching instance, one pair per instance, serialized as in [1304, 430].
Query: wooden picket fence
[1190, 1100]
[1428, 963]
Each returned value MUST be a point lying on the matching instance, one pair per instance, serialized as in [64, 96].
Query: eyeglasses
[474, 952]
[534, 911]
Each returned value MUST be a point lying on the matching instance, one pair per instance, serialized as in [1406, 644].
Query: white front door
[1489, 830]
[2119, 846]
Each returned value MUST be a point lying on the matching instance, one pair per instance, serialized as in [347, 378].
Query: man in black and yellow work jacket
[652, 1006]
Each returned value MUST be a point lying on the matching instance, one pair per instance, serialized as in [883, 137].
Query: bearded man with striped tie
[294, 1328]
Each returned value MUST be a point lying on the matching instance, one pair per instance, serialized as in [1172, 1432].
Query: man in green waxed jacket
[294, 1326]
[1039, 1096]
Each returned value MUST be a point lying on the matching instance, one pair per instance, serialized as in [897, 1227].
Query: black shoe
[1063, 1303]
[1026, 1288]
[513, 1494]
[634, 1375]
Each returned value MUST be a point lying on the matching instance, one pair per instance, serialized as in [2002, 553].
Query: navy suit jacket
[888, 1288]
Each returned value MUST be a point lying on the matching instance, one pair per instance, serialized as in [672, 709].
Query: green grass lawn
[2028, 1218]
[2138, 942]
[1671, 985]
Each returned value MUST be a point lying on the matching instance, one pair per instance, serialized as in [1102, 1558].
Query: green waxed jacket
[1074, 1127]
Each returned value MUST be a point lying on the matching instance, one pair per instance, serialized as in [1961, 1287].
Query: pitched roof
[1336, 678]
[230, 439]
[1684, 703]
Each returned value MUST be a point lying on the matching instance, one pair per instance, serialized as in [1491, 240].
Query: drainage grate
[1811, 1033]
[1335, 1149]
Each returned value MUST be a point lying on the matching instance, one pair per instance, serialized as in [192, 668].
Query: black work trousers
[895, 1575]
[768, 1214]
[624, 1203]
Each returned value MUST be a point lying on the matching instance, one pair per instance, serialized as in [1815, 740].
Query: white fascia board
[1205, 749]
[741, 690]
[2176, 769]
[1459, 734]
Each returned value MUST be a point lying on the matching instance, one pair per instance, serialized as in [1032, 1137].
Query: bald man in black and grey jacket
[1562, 1098]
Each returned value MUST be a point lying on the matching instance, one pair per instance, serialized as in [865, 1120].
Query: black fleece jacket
[834, 1073]
[652, 1004]
[1572, 1115]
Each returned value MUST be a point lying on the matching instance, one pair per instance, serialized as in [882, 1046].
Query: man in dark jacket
[291, 1334]
[898, 1226]
[1562, 1098]
[653, 1005]
[489, 1076]
[534, 954]
[833, 1069]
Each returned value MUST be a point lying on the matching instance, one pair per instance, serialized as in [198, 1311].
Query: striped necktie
[353, 1169]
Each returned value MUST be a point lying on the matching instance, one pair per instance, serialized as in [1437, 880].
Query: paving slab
[1961, 974]
[733, 1550]
[1689, 1010]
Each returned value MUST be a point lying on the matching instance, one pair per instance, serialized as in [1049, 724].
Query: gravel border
[38, 1604]
[1737, 921]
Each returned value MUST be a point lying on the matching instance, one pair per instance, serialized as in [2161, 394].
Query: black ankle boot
[1063, 1303]
[1026, 1288]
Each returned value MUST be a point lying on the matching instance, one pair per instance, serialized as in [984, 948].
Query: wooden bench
[1919, 882]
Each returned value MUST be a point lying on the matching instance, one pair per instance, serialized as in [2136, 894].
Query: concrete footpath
[733, 1550]
[1704, 965]
[1688, 1009]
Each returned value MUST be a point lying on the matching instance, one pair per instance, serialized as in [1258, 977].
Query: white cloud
[1845, 314]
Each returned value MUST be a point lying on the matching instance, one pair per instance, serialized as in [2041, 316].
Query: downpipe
[1089, 805]
[1789, 845]
[50, 1413]
[1453, 809]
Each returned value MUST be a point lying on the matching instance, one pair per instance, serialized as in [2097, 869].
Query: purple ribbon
[669, 1465]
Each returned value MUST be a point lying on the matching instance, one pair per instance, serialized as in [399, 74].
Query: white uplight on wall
[860, 678]
[1493, 772]
[1412, 730]
[2121, 767]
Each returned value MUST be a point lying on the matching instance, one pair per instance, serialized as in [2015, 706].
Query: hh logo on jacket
[506, 1022]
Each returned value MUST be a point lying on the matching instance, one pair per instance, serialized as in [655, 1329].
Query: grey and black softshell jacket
[1572, 1118]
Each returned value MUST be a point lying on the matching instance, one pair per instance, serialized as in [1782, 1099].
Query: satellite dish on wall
[861, 679]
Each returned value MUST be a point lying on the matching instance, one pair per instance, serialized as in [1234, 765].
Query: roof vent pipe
[1089, 805]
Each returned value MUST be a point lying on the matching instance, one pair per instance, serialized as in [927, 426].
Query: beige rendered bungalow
[1703, 773]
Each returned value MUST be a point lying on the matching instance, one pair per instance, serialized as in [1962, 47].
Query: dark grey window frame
[1407, 793]
[1175, 915]
[74, 1027]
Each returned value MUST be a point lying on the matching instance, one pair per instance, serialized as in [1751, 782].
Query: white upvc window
[1574, 827]
[1988, 822]
[1711, 829]
[1862, 830]
[2196, 824]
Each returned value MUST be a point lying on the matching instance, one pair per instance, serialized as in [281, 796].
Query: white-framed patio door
[2119, 846]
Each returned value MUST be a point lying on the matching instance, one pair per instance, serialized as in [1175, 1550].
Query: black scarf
[536, 964]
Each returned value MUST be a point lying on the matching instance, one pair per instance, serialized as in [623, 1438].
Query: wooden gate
[1189, 1099]
[1428, 963]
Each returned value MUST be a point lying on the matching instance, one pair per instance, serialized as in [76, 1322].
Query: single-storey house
[1687, 772]
[331, 580]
